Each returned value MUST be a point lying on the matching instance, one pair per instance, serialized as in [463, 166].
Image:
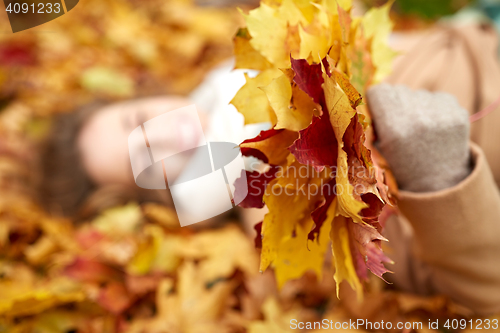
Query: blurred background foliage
[425, 9]
[113, 49]
[430, 9]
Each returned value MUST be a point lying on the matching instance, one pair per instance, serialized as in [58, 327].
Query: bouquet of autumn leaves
[324, 180]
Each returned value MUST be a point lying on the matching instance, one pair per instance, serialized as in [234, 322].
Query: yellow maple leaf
[377, 26]
[290, 12]
[252, 102]
[341, 112]
[306, 8]
[246, 57]
[260, 22]
[290, 116]
[297, 254]
[283, 21]
[290, 200]
[339, 107]
[313, 45]
[344, 265]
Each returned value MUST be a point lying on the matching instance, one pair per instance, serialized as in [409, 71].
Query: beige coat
[449, 241]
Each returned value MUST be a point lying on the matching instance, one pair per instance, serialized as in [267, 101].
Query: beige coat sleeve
[462, 61]
[448, 242]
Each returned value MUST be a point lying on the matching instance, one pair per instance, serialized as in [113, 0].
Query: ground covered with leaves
[133, 269]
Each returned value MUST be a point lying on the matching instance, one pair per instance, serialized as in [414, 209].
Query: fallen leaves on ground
[153, 278]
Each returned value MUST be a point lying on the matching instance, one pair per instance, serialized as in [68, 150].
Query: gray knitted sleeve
[424, 136]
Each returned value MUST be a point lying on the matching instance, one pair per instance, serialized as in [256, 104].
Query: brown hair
[65, 187]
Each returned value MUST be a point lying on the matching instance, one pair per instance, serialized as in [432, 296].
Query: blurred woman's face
[103, 140]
